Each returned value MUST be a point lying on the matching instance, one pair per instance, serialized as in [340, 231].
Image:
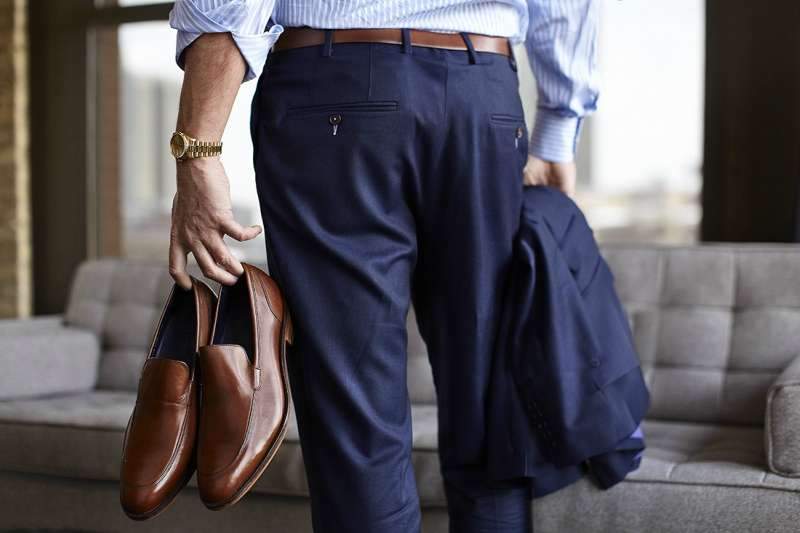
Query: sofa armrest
[782, 422]
[40, 356]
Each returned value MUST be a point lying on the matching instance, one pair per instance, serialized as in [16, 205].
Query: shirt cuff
[191, 23]
[554, 137]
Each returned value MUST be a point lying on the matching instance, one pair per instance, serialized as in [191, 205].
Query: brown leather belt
[295, 37]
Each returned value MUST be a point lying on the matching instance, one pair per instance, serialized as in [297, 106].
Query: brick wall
[15, 230]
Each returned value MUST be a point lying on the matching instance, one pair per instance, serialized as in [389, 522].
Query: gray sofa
[717, 328]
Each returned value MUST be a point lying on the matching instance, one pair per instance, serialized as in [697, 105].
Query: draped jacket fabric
[567, 394]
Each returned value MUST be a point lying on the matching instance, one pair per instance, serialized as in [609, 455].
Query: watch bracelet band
[204, 149]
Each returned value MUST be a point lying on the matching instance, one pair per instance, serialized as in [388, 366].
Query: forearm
[201, 209]
[213, 72]
[220, 44]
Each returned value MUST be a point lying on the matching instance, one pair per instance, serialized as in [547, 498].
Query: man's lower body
[390, 174]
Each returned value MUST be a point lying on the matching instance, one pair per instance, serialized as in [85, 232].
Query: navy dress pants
[387, 175]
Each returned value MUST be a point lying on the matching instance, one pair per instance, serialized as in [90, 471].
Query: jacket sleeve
[611, 467]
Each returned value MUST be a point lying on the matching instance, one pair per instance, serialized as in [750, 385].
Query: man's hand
[558, 175]
[201, 209]
[201, 216]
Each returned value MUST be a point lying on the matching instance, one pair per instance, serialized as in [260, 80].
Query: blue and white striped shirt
[559, 36]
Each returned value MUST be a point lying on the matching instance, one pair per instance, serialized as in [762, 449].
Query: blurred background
[689, 172]
[675, 154]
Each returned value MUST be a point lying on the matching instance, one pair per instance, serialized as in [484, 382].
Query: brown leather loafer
[244, 400]
[158, 456]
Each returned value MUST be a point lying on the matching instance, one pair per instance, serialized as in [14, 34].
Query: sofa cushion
[783, 422]
[694, 478]
[80, 435]
[42, 356]
[651, 506]
[714, 324]
[121, 300]
[707, 454]
[76, 435]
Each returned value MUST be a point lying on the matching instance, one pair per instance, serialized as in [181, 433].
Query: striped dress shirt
[559, 36]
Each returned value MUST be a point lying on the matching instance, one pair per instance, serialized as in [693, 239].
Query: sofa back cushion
[714, 324]
[121, 301]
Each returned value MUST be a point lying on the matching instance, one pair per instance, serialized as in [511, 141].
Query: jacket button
[519, 133]
[335, 118]
[595, 362]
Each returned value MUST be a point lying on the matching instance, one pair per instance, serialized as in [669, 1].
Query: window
[150, 83]
[640, 154]
[639, 158]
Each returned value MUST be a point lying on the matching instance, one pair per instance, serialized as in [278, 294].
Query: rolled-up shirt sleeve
[561, 44]
[246, 21]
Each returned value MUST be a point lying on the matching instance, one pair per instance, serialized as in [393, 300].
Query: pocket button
[519, 133]
[335, 118]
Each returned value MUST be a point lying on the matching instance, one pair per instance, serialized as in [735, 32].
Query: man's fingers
[209, 267]
[534, 177]
[563, 176]
[239, 232]
[177, 266]
[222, 255]
[535, 172]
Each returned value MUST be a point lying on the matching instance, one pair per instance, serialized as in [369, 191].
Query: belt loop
[512, 59]
[473, 57]
[406, 40]
[327, 48]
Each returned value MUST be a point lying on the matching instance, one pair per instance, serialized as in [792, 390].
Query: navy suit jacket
[567, 395]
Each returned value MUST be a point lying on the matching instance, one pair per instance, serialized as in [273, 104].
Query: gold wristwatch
[184, 147]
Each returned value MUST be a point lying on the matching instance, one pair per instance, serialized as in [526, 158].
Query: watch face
[178, 145]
